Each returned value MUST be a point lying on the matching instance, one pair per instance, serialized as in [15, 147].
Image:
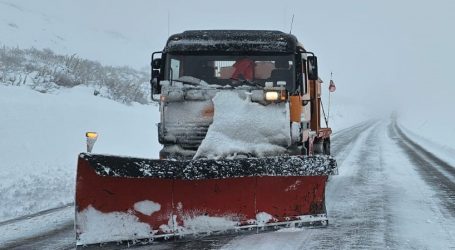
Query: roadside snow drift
[106, 227]
[244, 127]
[42, 135]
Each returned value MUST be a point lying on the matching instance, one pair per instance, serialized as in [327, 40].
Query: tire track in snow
[436, 172]
[52, 230]
[342, 141]
[355, 199]
[40, 213]
[379, 201]
[417, 217]
[53, 239]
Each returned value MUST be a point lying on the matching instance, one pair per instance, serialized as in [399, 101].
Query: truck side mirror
[156, 63]
[155, 84]
[155, 73]
[312, 68]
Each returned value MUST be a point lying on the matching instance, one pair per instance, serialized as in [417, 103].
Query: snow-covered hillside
[42, 135]
[45, 71]
[73, 27]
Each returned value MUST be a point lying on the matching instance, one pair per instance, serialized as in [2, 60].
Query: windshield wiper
[248, 82]
[188, 80]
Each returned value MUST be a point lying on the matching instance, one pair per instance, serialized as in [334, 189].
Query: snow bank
[432, 128]
[96, 226]
[243, 127]
[444, 149]
[42, 134]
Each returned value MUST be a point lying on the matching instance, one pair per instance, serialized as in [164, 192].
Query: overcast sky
[378, 50]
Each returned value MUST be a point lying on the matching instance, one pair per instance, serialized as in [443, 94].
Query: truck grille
[188, 136]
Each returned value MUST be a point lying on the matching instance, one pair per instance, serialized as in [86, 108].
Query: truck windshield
[232, 70]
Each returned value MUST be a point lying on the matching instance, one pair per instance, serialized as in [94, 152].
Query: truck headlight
[271, 95]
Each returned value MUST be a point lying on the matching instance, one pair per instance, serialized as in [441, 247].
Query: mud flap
[121, 198]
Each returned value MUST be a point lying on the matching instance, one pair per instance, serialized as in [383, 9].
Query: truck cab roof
[232, 42]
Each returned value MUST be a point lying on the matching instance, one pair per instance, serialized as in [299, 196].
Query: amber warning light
[91, 139]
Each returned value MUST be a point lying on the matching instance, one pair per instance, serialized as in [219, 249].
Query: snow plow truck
[243, 147]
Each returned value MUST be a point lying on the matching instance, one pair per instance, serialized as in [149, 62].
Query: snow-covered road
[390, 193]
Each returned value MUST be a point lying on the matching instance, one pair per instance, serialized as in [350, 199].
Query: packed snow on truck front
[242, 127]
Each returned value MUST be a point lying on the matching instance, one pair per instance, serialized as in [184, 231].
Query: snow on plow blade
[121, 198]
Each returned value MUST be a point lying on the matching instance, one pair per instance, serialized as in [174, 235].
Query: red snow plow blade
[124, 199]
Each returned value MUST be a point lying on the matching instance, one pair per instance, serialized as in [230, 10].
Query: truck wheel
[327, 146]
[318, 148]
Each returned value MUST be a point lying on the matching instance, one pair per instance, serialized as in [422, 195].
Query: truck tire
[327, 146]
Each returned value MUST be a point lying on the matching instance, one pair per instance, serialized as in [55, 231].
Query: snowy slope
[59, 25]
[42, 135]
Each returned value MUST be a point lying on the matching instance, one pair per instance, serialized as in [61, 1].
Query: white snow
[423, 222]
[242, 126]
[42, 134]
[430, 121]
[171, 225]
[262, 218]
[428, 131]
[196, 222]
[23, 229]
[290, 230]
[205, 223]
[443, 149]
[60, 26]
[344, 113]
[378, 201]
[105, 227]
[147, 207]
